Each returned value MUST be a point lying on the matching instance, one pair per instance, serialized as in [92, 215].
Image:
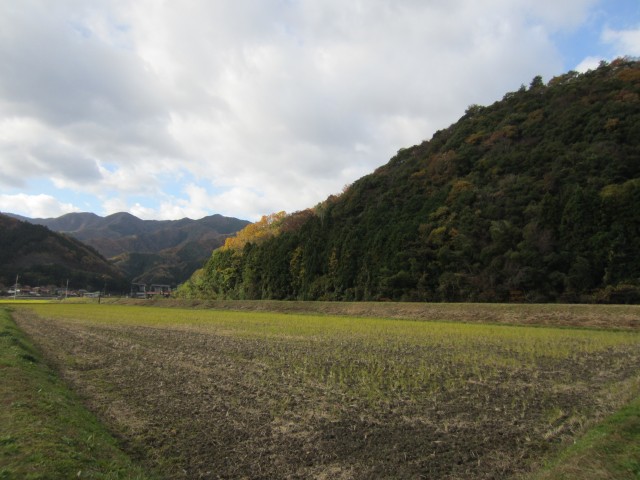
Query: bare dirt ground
[198, 404]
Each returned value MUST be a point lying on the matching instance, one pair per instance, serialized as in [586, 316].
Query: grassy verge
[609, 451]
[45, 432]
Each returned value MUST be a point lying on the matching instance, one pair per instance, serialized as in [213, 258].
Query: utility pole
[15, 288]
[66, 292]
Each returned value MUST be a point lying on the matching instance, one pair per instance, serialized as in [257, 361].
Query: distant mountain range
[40, 257]
[147, 251]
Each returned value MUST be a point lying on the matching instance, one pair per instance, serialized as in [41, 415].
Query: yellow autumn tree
[267, 227]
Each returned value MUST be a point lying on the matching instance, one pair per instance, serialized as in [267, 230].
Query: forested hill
[534, 198]
[41, 257]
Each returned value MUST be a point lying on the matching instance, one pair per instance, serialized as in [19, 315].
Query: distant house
[138, 290]
[157, 290]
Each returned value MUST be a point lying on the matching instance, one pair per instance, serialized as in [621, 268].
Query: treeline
[535, 198]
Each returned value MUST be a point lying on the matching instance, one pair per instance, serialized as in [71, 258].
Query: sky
[170, 109]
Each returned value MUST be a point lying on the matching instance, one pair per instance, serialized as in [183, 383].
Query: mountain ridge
[147, 251]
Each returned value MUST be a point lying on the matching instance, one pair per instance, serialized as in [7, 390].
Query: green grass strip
[45, 432]
[609, 451]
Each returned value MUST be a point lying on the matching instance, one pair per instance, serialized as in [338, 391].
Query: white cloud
[625, 42]
[30, 147]
[115, 205]
[589, 63]
[295, 96]
[35, 206]
[561, 14]
[269, 105]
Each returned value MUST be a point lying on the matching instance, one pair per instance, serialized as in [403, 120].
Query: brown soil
[198, 404]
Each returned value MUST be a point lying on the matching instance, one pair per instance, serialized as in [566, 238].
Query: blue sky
[586, 41]
[248, 107]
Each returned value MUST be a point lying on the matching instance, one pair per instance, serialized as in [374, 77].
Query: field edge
[609, 450]
[45, 430]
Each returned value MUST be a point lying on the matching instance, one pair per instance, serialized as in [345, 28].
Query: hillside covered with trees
[41, 257]
[534, 198]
